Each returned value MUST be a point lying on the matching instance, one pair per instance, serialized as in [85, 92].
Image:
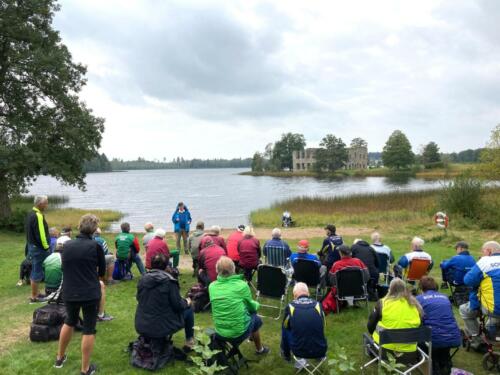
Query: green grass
[19, 356]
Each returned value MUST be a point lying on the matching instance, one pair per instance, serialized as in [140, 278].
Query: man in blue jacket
[303, 331]
[329, 250]
[438, 314]
[453, 270]
[182, 220]
[484, 278]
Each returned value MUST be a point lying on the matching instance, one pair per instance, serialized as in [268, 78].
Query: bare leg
[256, 341]
[87, 348]
[34, 289]
[102, 302]
[109, 272]
[64, 339]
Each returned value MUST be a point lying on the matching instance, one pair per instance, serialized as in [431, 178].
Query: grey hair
[148, 226]
[225, 266]
[398, 290]
[494, 246]
[417, 242]
[276, 233]
[376, 237]
[88, 224]
[215, 229]
[39, 199]
[301, 288]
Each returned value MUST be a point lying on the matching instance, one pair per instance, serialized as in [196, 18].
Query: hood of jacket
[151, 279]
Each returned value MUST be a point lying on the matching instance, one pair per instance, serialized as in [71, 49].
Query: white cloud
[222, 79]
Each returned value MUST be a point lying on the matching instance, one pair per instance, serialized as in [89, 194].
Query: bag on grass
[44, 333]
[120, 269]
[50, 315]
[151, 353]
[199, 297]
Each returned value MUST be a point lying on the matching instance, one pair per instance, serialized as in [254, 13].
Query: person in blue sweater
[303, 253]
[329, 252]
[277, 251]
[438, 314]
[303, 330]
[182, 220]
[453, 270]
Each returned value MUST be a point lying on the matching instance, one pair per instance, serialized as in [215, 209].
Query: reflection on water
[216, 196]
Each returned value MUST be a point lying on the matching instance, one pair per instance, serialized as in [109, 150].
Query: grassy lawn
[19, 356]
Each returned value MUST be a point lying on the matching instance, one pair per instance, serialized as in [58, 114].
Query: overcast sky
[222, 79]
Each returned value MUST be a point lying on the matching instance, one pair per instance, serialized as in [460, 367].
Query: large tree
[44, 127]
[359, 142]
[430, 154]
[282, 155]
[397, 153]
[331, 155]
[490, 156]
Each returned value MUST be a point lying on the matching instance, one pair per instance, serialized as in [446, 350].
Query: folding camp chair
[307, 271]
[275, 256]
[272, 282]
[417, 269]
[350, 285]
[314, 367]
[399, 336]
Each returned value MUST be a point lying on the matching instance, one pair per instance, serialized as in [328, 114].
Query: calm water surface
[217, 196]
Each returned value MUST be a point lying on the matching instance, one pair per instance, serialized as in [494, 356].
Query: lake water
[216, 196]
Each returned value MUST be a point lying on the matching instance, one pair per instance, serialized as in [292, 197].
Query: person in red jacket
[157, 245]
[249, 251]
[346, 261]
[213, 234]
[207, 260]
[232, 244]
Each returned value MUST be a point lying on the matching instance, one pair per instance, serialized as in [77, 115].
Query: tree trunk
[5, 210]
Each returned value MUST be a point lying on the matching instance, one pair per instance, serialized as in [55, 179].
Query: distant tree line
[179, 163]
[98, 164]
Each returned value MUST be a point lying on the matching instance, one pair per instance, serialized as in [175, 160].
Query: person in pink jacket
[249, 251]
[232, 244]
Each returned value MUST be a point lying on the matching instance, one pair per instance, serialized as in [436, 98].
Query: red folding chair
[417, 269]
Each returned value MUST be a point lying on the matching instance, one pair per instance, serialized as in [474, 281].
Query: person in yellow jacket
[399, 309]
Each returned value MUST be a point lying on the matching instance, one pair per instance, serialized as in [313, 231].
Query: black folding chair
[272, 282]
[383, 266]
[351, 286]
[307, 271]
[275, 256]
[399, 336]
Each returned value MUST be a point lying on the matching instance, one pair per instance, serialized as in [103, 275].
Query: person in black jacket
[83, 263]
[364, 252]
[161, 311]
[38, 244]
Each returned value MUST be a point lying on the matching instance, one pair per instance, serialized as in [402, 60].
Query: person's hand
[188, 301]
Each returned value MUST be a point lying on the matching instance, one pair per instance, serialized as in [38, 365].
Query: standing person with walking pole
[182, 220]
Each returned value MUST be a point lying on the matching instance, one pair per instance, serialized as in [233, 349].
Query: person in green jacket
[234, 311]
[52, 267]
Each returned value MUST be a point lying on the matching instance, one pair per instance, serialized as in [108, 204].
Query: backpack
[44, 333]
[120, 270]
[199, 297]
[153, 353]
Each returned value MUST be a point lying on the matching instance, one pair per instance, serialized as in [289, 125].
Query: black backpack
[47, 322]
[199, 297]
[153, 353]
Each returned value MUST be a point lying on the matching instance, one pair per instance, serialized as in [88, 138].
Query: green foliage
[44, 127]
[98, 164]
[14, 222]
[257, 162]
[340, 362]
[204, 354]
[282, 155]
[179, 163]
[397, 153]
[462, 196]
[390, 365]
[430, 156]
[359, 142]
[490, 157]
[332, 155]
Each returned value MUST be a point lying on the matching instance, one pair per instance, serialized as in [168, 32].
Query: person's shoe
[188, 345]
[20, 283]
[104, 318]
[301, 363]
[59, 363]
[444, 285]
[263, 351]
[91, 371]
[38, 299]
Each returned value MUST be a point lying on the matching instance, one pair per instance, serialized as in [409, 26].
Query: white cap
[160, 233]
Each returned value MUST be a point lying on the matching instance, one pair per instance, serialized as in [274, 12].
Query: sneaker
[91, 371]
[39, 299]
[60, 362]
[301, 363]
[104, 318]
[263, 351]
[20, 283]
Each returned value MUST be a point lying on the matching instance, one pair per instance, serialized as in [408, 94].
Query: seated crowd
[78, 269]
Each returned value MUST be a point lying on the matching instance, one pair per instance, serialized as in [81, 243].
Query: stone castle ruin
[304, 160]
